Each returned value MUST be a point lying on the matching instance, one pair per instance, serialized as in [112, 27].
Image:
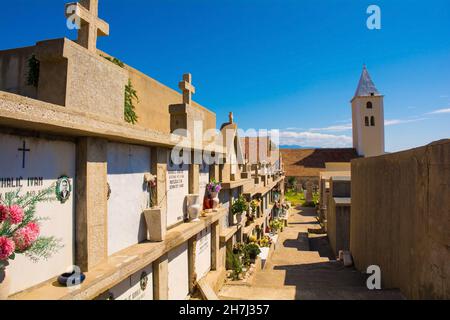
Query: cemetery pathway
[302, 267]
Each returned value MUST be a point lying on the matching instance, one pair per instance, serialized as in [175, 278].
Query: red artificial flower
[7, 248]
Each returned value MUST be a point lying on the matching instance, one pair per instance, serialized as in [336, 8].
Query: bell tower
[368, 118]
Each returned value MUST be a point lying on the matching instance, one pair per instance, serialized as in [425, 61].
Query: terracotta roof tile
[309, 162]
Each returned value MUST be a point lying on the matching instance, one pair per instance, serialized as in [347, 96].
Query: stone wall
[338, 224]
[400, 219]
[154, 100]
[14, 71]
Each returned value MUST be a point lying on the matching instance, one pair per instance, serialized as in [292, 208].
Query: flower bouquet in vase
[213, 188]
[20, 232]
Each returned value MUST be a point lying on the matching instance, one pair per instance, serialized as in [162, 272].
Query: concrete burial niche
[34, 164]
[178, 273]
[139, 286]
[203, 253]
[203, 180]
[224, 197]
[129, 196]
[177, 178]
[338, 224]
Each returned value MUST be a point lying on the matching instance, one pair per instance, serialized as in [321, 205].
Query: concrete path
[303, 268]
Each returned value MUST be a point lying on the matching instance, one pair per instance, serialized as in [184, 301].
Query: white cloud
[295, 128]
[440, 111]
[401, 121]
[312, 139]
[344, 127]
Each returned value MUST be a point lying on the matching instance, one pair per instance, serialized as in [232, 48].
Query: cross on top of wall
[187, 88]
[91, 25]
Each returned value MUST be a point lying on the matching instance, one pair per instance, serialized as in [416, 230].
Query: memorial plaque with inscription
[31, 165]
[178, 270]
[177, 189]
[203, 253]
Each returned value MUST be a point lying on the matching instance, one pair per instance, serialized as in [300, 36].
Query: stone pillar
[215, 246]
[192, 248]
[214, 172]
[91, 203]
[159, 169]
[161, 278]
[225, 174]
[194, 175]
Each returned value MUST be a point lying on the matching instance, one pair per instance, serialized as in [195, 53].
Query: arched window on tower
[369, 105]
[367, 121]
[372, 121]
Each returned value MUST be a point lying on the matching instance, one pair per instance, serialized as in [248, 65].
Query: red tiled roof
[309, 162]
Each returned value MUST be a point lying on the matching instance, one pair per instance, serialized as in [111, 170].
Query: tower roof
[366, 87]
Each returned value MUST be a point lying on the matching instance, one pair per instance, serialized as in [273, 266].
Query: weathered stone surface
[338, 224]
[91, 203]
[400, 210]
[156, 224]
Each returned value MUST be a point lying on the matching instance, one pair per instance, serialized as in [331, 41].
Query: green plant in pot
[276, 225]
[252, 250]
[240, 205]
[235, 264]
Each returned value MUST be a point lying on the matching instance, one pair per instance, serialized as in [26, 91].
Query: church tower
[368, 118]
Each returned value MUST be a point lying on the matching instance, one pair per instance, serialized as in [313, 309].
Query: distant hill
[295, 147]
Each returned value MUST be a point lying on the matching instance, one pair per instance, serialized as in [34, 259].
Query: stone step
[295, 293]
[348, 293]
[295, 257]
[257, 293]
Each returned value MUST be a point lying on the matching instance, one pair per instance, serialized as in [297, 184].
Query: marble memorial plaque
[177, 179]
[178, 270]
[138, 286]
[203, 253]
[203, 180]
[224, 197]
[33, 164]
[129, 196]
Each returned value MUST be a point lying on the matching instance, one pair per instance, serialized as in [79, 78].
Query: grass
[298, 198]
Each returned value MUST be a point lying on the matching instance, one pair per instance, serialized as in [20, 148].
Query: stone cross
[91, 25]
[187, 88]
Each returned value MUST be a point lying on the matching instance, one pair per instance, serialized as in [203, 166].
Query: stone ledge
[227, 233]
[263, 190]
[344, 202]
[259, 221]
[29, 114]
[235, 184]
[120, 265]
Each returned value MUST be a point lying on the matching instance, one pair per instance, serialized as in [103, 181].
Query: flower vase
[193, 206]
[215, 199]
[5, 282]
[238, 218]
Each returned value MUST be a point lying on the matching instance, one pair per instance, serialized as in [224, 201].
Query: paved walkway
[303, 268]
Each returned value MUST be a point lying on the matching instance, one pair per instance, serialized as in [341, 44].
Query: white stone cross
[187, 88]
[91, 25]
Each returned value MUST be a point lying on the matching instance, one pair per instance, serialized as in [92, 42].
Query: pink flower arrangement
[26, 236]
[7, 248]
[19, 228]
[16, 214]
[3, 213]
[13, 214]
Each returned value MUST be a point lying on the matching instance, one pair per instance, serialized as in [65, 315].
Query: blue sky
[285, 64]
